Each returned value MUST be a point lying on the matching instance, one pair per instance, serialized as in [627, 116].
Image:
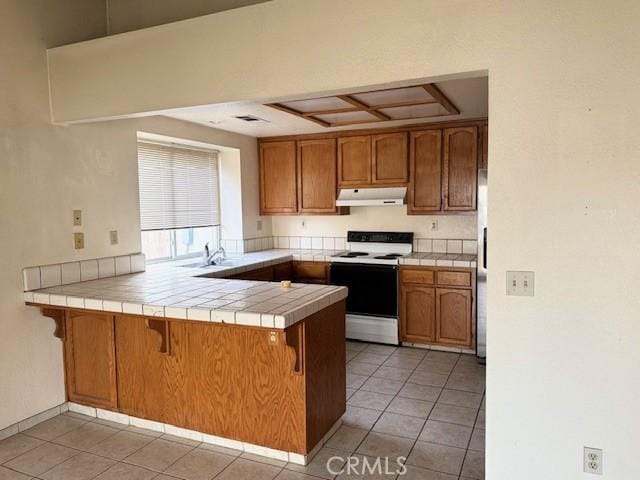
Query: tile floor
[427, 406]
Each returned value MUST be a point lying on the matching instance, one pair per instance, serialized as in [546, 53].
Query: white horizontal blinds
[178, 187]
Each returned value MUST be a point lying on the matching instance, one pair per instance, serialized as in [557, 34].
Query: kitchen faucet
[215, 257]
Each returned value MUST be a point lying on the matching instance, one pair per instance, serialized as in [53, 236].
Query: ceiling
[469, 95]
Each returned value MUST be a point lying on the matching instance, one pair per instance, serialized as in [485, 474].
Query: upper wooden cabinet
[354, 161]
[371, 160]
[389, 159]
[460, 168]
[90, 359]
[439, 164]
[278, 192]
[317, 186]
[425, 184]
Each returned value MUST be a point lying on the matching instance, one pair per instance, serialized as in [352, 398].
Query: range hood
[355, 197]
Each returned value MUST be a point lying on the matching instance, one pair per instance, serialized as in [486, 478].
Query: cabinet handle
[161, 327]
[294, 336]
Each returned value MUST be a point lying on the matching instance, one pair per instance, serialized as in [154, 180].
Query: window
[179, 200]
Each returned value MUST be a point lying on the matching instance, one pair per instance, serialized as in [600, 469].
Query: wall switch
[593, 460]
[78, 240]
[520, 283]
[259, 225]
[434, 225]
[77, 218]
[113, 237]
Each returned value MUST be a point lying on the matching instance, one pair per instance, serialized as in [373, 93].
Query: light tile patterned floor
[427, 406]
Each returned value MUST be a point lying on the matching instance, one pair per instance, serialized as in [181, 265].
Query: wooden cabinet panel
[354, 161]
[460, 167]
[389, 159]
[419, 275]
[418, 306]
[90, 359]
[453, 314]
[425, 185]
[317, 187]
[454, 279]
[261, 274]
[278, 192]
[142, 388]
[311, 272]
[282, 271]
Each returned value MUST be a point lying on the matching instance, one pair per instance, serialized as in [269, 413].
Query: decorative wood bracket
[294, 337]
[58, 317]
[161, 327]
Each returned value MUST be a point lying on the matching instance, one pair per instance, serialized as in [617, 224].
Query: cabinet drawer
[422, 276]
[454, 279]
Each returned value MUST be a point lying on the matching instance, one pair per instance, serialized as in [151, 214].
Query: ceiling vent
[251, 118]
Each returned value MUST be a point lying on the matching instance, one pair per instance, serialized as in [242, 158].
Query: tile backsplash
[57, 274]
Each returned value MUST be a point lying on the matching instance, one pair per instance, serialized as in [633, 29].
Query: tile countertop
[173, 290]
[440, 260]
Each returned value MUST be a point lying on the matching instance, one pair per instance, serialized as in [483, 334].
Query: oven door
[373, 289]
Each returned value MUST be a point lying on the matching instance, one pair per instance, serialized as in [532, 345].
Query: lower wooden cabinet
[453, 316]
[310, 272]
[419, 314]
[436, 306]
[90, 359]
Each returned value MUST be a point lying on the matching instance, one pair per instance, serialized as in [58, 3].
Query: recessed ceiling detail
[415, 102]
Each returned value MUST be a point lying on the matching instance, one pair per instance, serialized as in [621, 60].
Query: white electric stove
[369, 268]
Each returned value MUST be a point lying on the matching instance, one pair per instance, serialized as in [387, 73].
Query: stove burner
[389, 256]
[354, 254]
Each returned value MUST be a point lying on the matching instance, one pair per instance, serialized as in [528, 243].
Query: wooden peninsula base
[281, 389]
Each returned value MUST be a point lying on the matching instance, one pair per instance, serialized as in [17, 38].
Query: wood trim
[291, 111]
[471, 122]
[58, 317]
[442, 99]
[363, 107]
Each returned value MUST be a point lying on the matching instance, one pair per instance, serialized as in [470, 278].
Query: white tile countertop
[440, 260]
[174, 290]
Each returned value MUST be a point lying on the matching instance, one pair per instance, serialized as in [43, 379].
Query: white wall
[126, 15]
[564, 185]
[376, 218]
[47, 171]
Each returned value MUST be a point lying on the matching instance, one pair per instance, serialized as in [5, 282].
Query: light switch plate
[78, 240]
[77, 218]
[113, 237]
[520, 283]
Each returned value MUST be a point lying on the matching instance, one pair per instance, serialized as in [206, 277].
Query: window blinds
[178, 187]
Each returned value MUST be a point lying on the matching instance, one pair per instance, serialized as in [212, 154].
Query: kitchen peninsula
[238, 363]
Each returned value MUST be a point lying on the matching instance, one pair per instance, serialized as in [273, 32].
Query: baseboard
[32, 421]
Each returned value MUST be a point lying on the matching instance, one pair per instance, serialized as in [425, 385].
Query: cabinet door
[142, 388]
[354, 161]
[418, 313]
[389, 158]
[310, 272]
[317, 176]
[453, 316]
[460, 168]
[425, 185]
[90, 359]
[278, 178]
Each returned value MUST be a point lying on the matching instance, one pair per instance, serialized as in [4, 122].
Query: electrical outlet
[304, 224]
[113, 237]
[77, 218]
[593, 460]
[520, 283]
[259, 225]
[434, 225]
[78, 240]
